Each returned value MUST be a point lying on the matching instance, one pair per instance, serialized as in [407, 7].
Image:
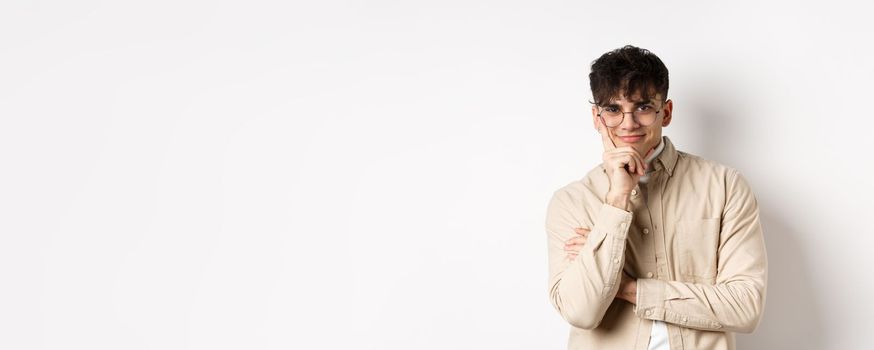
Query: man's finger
[648, 153]
[633, 165]
[640, 168]
[605, 136]
[646, 165]
[582, 231]
[629, 161]
[575, 240]
[574, 248]
[637, 157]
[638, 162]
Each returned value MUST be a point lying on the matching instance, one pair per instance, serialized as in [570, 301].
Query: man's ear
[668, 110]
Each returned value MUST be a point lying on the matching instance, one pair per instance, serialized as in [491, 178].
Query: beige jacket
[693, 241]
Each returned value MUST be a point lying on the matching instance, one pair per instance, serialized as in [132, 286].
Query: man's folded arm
[735, 302]
[582, 289]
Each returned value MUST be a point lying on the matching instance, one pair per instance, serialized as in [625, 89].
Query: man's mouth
[631, 138]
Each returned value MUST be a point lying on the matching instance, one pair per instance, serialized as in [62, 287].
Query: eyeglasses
[644, 114]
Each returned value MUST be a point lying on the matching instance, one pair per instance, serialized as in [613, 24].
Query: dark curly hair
[626, 71]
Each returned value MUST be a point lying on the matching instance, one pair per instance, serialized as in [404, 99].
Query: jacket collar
[668, 158]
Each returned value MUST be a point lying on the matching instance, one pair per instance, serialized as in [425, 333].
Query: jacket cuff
[614, 221]
[650, 299]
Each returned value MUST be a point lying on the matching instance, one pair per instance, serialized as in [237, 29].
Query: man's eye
[611, 109]
[644, 108]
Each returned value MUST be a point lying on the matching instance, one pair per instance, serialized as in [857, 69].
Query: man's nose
[629, 122]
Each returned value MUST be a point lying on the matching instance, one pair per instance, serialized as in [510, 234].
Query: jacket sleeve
[736, 301]
[582, 289]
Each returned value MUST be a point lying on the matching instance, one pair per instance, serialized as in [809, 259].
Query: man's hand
[573, 245]
[624, 167]
[627, 289]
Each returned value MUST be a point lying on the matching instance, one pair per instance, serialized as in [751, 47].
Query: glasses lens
[645, 117]
[612, 116]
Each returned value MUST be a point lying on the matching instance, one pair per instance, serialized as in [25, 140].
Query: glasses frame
[633, 117]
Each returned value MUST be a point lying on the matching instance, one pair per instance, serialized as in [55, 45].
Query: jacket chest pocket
[697, 246]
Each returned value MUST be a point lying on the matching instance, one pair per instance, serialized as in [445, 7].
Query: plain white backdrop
[375, 174]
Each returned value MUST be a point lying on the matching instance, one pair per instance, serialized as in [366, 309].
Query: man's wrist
[628, 291]
[619, 200]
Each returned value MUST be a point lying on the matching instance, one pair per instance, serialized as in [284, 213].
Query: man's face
[630, 132]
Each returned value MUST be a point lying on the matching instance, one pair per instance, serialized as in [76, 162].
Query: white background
[375, 174]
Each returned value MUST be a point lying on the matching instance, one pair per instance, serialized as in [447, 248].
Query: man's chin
[638, 148]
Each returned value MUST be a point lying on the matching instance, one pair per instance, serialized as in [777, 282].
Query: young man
[655, 248]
